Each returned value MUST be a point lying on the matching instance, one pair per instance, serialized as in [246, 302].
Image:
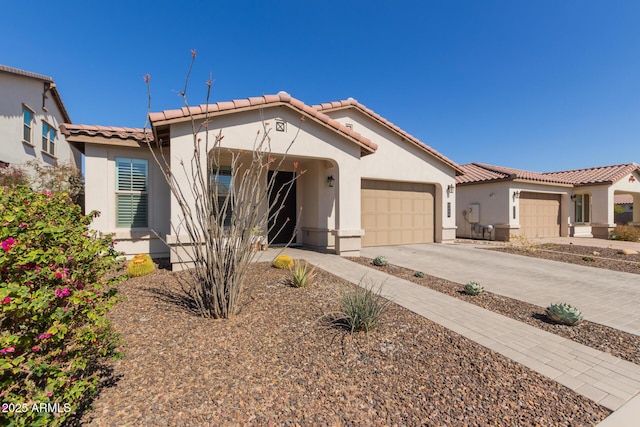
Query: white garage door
[539, 215]
[397, 213]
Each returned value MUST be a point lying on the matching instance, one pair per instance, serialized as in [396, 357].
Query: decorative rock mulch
[279, 363]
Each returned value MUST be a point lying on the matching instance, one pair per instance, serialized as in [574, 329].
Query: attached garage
[539, 215]
[397, 213]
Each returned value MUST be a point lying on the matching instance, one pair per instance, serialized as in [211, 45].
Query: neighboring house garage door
[396, 213]
[539, 215]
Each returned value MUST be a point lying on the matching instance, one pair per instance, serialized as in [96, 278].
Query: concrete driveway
[607, 297]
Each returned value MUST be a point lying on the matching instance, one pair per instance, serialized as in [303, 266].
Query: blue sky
[542, 85]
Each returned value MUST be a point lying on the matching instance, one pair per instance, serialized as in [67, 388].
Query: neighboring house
[367, 182]
[31, 112]
[498, 203]
[625, 202]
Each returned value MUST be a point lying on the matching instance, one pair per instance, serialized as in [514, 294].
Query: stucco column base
[348, 242]
[503, 232]
[601, 231]
[580, 230]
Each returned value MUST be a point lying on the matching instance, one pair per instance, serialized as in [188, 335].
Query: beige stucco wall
[497, 204]
[101, 196]
[400, 160]
[16, 91]
[330, 215]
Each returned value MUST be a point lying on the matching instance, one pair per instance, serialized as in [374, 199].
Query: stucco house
[367, 181]
[496, 202]
[31, 111]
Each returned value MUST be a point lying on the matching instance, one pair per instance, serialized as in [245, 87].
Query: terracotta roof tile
[136, 134]
[480, 172]
[281, 97]
[621, 199]
[596, 175]
[352, 103]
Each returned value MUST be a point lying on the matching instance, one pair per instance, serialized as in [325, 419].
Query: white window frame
[131, 190]
[225, 171]
[582, 201]
[29, 126]
[49, 144]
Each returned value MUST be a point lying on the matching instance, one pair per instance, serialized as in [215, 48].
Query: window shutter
[132, 201]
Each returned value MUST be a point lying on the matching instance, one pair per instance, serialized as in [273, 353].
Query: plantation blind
[132, 193]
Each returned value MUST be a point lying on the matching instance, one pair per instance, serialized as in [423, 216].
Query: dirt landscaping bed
[613, 341]
[276, 363]
[608, 258]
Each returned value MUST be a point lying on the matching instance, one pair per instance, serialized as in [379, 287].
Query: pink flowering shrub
[56, 286]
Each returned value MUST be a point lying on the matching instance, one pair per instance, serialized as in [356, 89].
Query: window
[48, 139]
[27, 116]
[132, 198]
[582, 207]
[222, 182]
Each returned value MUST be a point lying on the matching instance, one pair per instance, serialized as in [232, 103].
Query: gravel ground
[613, 341]
[278, 363]
[608, 258]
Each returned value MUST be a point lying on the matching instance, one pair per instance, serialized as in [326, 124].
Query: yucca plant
[564, 314]
[361, 309]
[283, 262]
[418, 274]
[473, 288]
[301, 274]
[380, 261]
[140, 265]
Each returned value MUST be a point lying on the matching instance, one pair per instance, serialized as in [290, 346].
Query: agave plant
[380, 261]
[473, 288]
[564, 314]
[418, 274]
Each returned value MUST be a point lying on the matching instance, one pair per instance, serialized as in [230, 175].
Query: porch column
[348, 233]
[636, 210]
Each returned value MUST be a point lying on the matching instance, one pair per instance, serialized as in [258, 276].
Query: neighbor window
[222, 182]
[48, 139]
[27, 118]
[582, 207]
[132, 197]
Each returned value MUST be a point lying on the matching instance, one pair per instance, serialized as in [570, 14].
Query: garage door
[539, 215]
[397, 213]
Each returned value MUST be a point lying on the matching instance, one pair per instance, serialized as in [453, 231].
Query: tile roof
[621, 199]
[480, 172]
[352, 103]
[52, 87]
[199, 111]
[596, 175]
[135, 134]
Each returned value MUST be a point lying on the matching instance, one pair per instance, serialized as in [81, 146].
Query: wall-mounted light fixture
[330, 180]
[450, 189]
[573, 197]
[516, 195]
[492, 195]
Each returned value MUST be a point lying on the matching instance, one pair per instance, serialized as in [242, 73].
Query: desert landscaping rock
[628, 252]
[279, 363]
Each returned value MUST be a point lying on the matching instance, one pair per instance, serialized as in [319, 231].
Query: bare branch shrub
[226, 201]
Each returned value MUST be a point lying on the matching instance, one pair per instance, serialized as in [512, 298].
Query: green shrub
[588, 259]
[302, 275]
[361, 309]
[473, 288]
[564, 313]
[628, 233]
[418, 274]
[283, 262]
[140, 265]
[380, 261]
[56, 278]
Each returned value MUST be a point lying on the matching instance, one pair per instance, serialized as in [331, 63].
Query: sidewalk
[603, 378]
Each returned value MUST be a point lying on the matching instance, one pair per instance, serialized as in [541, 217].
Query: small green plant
[140, 265]
[380, 261]
[628, 233]
[588, 259]
[473, 288]
[564, 314]
[283, 262]
[361, 309]
[418, 274]
[302, 275]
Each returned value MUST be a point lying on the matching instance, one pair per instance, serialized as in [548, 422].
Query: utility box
[473, 213]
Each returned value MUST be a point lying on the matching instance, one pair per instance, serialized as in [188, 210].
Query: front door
[282, 227]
